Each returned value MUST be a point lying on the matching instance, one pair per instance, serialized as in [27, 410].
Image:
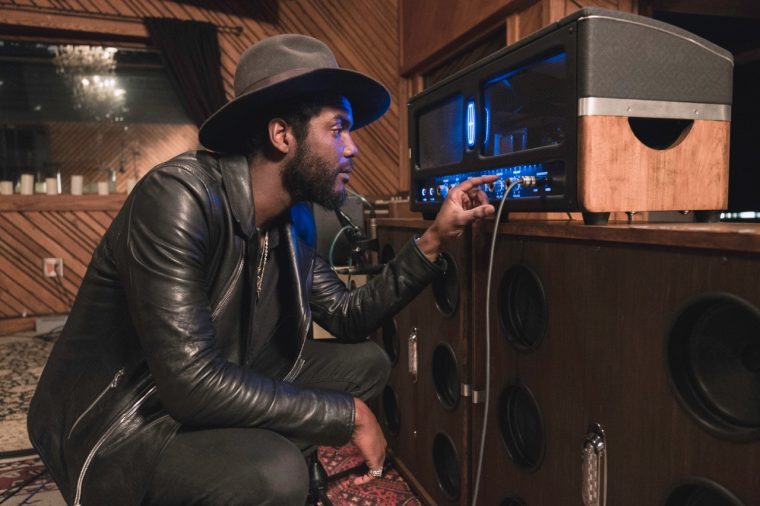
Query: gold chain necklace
[262, 265]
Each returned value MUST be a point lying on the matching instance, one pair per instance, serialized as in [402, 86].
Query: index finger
[472, 182]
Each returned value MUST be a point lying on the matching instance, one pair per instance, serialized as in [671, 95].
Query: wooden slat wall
[142, 146]
[362, 33]
[37, 227]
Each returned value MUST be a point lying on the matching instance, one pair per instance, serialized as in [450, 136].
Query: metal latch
[478, 396]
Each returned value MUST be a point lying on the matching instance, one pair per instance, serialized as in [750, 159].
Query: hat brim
[228, 129]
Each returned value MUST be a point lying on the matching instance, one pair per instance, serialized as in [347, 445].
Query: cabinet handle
[413, 354]
[594, 467]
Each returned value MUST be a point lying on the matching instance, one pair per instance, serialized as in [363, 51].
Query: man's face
[320, 168]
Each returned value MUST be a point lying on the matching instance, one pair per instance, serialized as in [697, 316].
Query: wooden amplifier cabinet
[613, 112]
[425, 413]
[641, 341]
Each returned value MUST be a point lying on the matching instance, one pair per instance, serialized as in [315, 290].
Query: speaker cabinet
[631, 352]
[423, 410]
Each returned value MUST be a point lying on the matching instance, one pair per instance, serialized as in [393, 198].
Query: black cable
[35, 492]
[51, 335]
[523, 181]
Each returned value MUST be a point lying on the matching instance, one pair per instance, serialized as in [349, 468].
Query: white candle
[52, 185]
[77, 182]
[6, 187]
[131, 182]
[27, 184]
[102, 187]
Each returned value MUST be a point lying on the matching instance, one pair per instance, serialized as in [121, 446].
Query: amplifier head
[616, 112]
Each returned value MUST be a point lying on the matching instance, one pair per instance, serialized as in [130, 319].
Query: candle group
[26, 186]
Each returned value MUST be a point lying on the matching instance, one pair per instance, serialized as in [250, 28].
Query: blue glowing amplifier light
[471, 124]
[433, 189]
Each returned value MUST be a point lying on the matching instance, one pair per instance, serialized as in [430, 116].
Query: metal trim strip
[600, 106]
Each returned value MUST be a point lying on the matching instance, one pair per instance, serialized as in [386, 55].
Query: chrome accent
[594, 467]
[413, 354]
[688, 39]
[629, 107]
[228, 292]
[465, 390]
[104, 437]
[113, 384]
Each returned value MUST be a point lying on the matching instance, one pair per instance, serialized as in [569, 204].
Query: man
[185, 373]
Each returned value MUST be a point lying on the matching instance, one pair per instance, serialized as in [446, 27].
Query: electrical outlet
[52, 267]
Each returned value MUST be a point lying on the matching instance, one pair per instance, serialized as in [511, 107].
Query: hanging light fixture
[90, 72]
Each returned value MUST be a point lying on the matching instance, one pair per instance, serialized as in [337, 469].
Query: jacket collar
[236, 178]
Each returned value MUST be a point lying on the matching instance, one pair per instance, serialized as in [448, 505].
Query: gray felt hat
[283, 67]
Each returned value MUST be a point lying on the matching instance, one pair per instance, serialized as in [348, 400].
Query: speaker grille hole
[713, 361]
[521, 426]
[522, 307]
[446, 465]
[513, 500]
[445, 376]
[701, 492]
[387, 254]
[390, 414]
[660, 133]
[446, 288]
[390, 339]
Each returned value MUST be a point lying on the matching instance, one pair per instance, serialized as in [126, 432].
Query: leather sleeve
[161, 259]
[351, 315]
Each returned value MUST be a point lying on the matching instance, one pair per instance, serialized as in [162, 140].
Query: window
[88, 110]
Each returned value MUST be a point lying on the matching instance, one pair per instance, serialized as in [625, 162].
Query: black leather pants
[247, 466]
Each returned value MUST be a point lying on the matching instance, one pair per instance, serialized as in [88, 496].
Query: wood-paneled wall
[136, 149]
[433, 30]
[41, 226]
[363, 35]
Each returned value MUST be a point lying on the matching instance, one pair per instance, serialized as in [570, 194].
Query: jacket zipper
[103, 439]
[228, 293]
[299, 363]
[113, 384]
[297, 366]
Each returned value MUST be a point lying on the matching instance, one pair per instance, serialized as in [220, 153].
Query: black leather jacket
[158, 335]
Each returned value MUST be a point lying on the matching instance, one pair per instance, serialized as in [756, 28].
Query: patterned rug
[21, 360]
[24, 481]
[390, 489]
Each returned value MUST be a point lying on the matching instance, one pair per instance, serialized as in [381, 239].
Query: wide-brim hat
[285, 67]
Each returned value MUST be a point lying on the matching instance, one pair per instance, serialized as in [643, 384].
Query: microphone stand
[359, 243]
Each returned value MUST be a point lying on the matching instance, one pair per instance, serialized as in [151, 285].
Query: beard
[310, 178]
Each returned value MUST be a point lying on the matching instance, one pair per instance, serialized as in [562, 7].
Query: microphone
[359, 243]
[354, 233]
[373, 253]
